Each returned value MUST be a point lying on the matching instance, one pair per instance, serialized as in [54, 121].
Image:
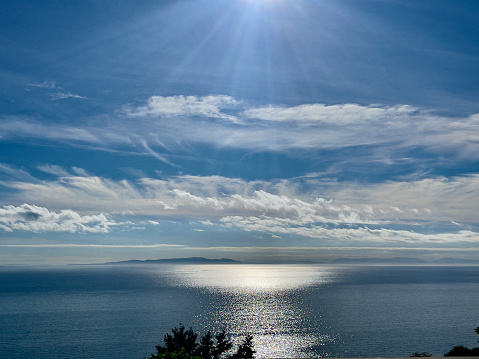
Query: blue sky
[259, 130]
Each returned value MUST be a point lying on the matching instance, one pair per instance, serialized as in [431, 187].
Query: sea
[292, 311]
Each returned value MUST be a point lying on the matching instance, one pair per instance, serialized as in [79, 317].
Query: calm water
[292, 310]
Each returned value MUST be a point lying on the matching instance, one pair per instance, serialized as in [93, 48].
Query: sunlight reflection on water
[263, 300]
[252, 278]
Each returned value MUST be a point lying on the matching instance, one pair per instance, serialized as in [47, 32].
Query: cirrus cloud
[342, 114]
[299, 227]
[168, 122]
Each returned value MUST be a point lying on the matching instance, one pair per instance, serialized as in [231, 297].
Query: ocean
[293, 311]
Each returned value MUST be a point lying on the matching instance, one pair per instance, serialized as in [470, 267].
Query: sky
[257, 130]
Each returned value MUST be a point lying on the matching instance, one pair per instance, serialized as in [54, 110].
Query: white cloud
[171, 106]
[55, 95]
[328, 211]
[309, 126]
[80, 172]
[348, 235]
[165, 124]
[63, 95]
[433, 199]
[14, 172]
[83, 245]
[345, 212]
[39, 219]
[18, 127]
[44, 84]
[188, 197]
[54, 170]
[344, 114]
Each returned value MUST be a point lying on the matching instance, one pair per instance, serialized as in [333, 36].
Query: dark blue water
[292, 311]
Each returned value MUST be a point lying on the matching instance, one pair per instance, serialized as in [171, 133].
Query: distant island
[189, 260]
[395, 261]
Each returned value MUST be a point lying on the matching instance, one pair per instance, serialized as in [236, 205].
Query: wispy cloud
[252, 249]
[312, 126]
[21, 127]
[82, 245]
[44, 85]
[298, 227]
[54, 170]
[224, 122]
[308, 206]
[63, 95]
[15, 172]
[172, 106]
[343, 114]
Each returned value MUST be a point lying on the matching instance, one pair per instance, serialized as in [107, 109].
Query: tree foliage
[462, 351]
[181, 339]
[245, 350]
[207, 346]
[183, 343]
[180, 354]
[223, 345]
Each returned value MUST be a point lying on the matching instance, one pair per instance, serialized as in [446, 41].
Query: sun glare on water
[252, 278]
[262, 300]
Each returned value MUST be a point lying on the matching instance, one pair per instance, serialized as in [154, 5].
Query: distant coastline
[395, 261]
[358, 261]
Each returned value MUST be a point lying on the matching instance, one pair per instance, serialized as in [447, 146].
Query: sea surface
[293, 311]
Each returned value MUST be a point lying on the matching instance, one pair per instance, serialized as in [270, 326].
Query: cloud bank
[391, 212]
[33, 218]
[427, 209]
[439, 198]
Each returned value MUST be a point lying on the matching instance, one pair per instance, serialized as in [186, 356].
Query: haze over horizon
[256, 130]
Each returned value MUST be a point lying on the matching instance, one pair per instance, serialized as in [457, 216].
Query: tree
[206, 346]
[181, 339]
[181, 354]
[183, 344]
[462, 351]
[245, 350]
[223, 345]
